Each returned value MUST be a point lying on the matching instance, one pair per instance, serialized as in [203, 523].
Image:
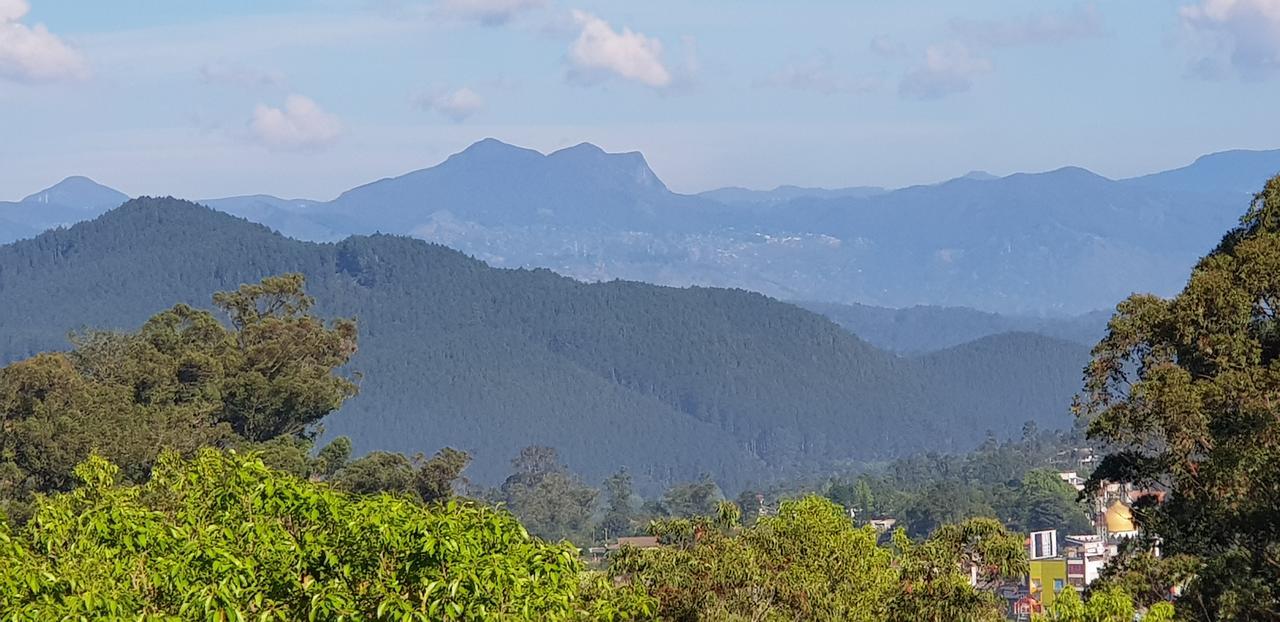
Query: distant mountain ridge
[494, 184]
[1062, 242]
[65, 203]
[1236, 171]
[923, 329]
[79, 192]
[669, 382]
[736, 195]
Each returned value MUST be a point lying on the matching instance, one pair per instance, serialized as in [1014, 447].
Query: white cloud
[947, 69]
[457, 105]
[600, 50]
[820, 75]
[300, 125]
[1244, 32]
[488, 12]
[1081, 22]
[32, 53]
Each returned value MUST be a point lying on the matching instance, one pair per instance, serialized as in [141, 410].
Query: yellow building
[1046, 578]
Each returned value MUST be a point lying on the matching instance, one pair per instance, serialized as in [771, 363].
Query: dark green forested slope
[668, 382]
[1014, 372]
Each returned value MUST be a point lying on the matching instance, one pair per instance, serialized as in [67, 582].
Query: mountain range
[669, 382]
[1059, 243]
[924, 329]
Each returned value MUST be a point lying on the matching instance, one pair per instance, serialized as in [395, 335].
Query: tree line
[171, 473]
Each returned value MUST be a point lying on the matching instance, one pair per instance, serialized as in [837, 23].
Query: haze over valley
[602, 311]
[1063, 242]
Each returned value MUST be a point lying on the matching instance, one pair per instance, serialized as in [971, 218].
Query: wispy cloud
[300, 124]
[818, 74]
[458, 104]
[1041, 28]
[600, 51]
[947, 69]
[888, 47]
[177, 48]
[488, 12]
[1243, 34]
[32, 53]
[951, 66]
[240, 74]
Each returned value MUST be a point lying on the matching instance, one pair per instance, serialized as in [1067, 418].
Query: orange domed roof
[1119, 519]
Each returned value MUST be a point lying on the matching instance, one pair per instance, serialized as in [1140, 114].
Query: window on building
[1058, 584]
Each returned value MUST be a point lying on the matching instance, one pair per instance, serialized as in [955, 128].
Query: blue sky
[306, 99]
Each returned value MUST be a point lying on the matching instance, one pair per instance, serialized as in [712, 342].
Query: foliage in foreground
[1108, 605]
[1188, 391]
[182, 381]
[809, 562]
[224, 537]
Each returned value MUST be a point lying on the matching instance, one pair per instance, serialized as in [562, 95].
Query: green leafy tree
[552, 502]
[289, 454]
[691, 499]
[437, 477]
[621, 517]
[1148, 578]
[284, 357]
[183, 380]
[749, 502]
[332, 457]
[1048, 502]
[380, 471]
[941, 503]
[935, 574]
[1185, 390]
[223, 537]
[1110, 605]
[809, 562]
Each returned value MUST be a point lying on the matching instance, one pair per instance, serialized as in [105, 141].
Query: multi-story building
[1086, 555]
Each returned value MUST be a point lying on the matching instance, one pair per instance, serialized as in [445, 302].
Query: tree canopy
[183, 380]
[809, 562]
[1187, 391]
[223, 537]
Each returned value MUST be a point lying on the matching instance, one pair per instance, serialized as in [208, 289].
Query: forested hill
[668, 382]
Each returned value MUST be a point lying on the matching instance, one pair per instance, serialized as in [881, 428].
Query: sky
[307, 99]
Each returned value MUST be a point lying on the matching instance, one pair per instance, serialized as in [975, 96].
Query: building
[1086, 555]
[1046, 569]
[1046, 578]
[1071, 477]
[1118, 522]
[639, 542]
[1025, 609]
[883, 525]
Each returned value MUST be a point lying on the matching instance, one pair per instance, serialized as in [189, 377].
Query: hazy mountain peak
[492, 183]
[1071, 174]
[1239, 171]
[492, 149]
[589, 152]
[580, 148]
[1234, 155]
[1076, 171]
[80, 192]
[980, 176]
